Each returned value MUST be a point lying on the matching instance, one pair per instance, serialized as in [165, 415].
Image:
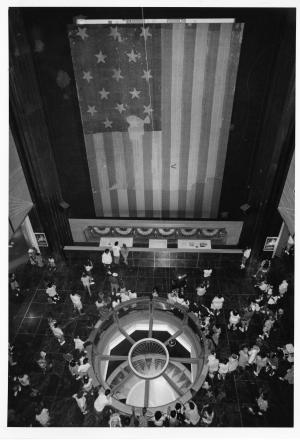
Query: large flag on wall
[156, 104]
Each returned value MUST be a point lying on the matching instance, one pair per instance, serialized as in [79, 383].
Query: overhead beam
[172, 384]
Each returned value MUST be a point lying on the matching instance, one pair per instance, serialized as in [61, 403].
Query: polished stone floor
[29, 330]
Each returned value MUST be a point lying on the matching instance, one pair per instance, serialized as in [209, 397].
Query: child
[76, 300]
[234, 319]
[116, 249]
[217, 303]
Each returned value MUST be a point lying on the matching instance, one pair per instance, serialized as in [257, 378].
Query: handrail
[125, 307]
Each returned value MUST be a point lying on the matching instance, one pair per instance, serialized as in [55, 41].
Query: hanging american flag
[156, 103]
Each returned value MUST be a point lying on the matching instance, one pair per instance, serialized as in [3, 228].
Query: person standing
[124, 252]
[192, 416]
[52, 293]
[81, 401]
[85, 279]
[51, 264]
[283, 287]
[245, 257]
[76, 300]
[57, 332]
[114, 282]
[116, 250]
[106, 259]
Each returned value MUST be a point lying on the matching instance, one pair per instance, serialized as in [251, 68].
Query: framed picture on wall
[270, 244]
[41, 239]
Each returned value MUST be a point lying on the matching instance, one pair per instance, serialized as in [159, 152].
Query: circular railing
[148, 358]
[143, 303]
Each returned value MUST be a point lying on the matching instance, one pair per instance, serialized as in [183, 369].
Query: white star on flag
[115, 34]
[133, 56]
[87, 76]
[148, 109]
[91, 110]
[82, 33]
[104, 94]
[100, 57]
[120, 108]
[145, 33]
[117, 74]
[135, 93]
[147, 75]
[107, 123]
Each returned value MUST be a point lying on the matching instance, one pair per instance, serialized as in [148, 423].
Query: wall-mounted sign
[194, 244]
[270, 244]
[41, 239]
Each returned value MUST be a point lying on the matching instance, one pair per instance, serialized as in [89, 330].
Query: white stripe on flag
[120, 171]
[102, 173]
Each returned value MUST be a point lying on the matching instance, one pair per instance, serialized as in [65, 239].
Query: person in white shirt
[42, 416]
[213, 364]
[76, 300]
[223, 369]
[79, 343]
[283, 287]
[207, 273]
[86, 282]
[52, 293]
[252, 354]
[103, 399]
[217, 303]
[115, 301]
[87, 383]
[246, 255]
[192, 415]
[234, 319]
[81, 401]
[201, 290]
[84, 367]
[116, 252]
[106, 259]
[58, 333]
[124, 295]
[132, 295]
[172, 297]
[233, 363]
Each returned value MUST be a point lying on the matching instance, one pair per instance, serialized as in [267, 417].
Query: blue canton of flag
[118, 75]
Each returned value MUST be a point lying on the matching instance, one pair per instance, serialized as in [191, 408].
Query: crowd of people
[261, 347]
